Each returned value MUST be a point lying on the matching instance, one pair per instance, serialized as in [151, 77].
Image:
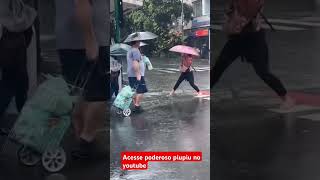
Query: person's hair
[140, 49]
[133, 43]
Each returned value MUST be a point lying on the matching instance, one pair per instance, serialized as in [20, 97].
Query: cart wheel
[54, 160]
[119, 111]
[127, 112]
[28, 157]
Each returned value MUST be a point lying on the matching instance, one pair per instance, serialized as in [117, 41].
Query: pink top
[240, 13]
[187, 60]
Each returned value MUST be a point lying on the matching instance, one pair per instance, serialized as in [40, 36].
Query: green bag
[53, 96]
[124, 98]
[51, 100]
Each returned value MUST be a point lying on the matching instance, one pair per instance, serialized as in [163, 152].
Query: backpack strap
[193, 68]
[267, 21]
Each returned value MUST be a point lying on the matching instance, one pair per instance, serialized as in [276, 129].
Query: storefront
[199, 35]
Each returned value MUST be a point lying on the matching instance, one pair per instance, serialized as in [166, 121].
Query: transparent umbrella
[119, 49]
[140, 36]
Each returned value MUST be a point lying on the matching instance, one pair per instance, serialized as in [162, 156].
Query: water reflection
[177, 127]
[56, 177]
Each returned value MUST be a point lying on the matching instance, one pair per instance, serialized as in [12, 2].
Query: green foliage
[157, 16]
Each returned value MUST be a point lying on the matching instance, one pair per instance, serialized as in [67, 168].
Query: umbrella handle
[194, 69]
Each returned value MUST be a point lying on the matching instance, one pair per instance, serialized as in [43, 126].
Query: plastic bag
[147, 62]
[124, 98]
[51, 100]
[52, 96]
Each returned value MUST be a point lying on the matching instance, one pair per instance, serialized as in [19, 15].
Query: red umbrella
[185, 50]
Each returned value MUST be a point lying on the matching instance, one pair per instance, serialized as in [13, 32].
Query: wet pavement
[178, 123]
[163, 77]
[166, 72]
[173, 127]
[253, 139]
[253, 142]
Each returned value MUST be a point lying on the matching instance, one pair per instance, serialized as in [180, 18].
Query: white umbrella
[143, 44]
[140, 36]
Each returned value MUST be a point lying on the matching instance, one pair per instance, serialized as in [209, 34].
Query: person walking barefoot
[186, 74]
[246, 39]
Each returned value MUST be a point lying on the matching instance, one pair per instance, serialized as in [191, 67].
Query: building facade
[200, 25]
[128, 5]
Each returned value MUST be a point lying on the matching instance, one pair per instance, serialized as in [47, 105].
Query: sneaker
[83, 151]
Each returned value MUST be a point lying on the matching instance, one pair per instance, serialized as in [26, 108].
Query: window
[197, 8]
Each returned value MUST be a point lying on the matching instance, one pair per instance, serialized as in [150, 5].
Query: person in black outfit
[186, 74]
[114, 83]
[14, 81]
[250, 44]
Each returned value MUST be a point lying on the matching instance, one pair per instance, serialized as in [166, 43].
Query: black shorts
[139, 85]
[75, 61]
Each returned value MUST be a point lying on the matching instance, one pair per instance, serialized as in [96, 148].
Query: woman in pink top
[246, 39]
[186, 73]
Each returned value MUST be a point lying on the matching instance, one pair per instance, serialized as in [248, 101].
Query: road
[163, 77]
[178, 123]
[174, 127]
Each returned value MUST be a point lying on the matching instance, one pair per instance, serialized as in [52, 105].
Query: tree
[157, 16]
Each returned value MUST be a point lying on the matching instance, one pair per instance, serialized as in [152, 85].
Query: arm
[136, 68]
[83, 11]
[136, 58]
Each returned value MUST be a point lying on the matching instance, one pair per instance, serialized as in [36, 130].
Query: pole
[117, 21]
[118, 32]
[37, 35]
[182, 18]
[209, 36]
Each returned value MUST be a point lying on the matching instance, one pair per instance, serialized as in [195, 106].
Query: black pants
[188, 75]
[114, 83]
[253, 47]
[14, 81]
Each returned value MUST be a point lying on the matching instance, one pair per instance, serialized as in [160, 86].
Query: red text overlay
[139, 160]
